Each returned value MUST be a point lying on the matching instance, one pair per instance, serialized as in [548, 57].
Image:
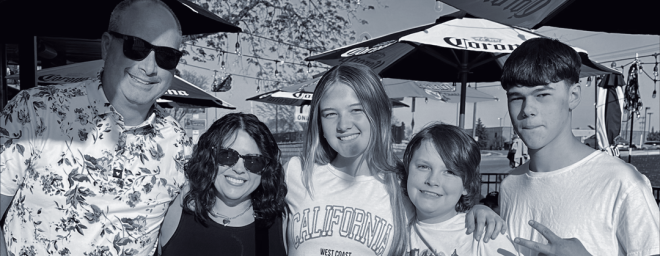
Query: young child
[567, 189]
[443, 181]
[344, 192]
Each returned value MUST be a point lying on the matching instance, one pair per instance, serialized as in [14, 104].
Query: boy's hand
[483, 216]
[556, 245]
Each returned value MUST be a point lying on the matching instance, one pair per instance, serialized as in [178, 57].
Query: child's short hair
[459, 152]
[540, 61]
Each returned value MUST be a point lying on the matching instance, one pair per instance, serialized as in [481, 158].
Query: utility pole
[474, 117]
[650, 123]
[499, 144]
[644, 128]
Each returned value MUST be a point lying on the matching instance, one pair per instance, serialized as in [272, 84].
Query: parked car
[651, 145]
[622, 146]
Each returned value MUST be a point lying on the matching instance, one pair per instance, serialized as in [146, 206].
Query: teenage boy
[568, 199]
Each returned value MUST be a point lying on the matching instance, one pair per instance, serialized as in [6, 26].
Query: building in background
[498, 138]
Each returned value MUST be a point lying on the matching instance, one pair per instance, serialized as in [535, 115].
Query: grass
[648, 165]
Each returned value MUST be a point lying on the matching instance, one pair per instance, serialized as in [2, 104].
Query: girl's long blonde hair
[378, 155]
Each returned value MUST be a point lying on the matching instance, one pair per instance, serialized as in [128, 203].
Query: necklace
[226, 219]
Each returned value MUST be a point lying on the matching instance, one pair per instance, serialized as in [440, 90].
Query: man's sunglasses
[137, 49]
[229, 157]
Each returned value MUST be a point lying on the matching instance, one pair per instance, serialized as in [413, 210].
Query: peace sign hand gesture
[556, 245]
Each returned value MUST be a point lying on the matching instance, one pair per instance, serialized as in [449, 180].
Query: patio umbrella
[430, 53]
[280, 97]
[89, 19]
[301, 93]
[180, 94]
[612, 16]
[608, 112]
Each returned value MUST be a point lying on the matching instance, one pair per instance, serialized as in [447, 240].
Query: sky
[404, 14]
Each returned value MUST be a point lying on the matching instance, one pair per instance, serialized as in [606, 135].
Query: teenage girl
[344, 192]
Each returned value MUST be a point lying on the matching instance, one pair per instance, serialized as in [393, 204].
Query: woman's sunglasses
[137, 49]
[229, 157]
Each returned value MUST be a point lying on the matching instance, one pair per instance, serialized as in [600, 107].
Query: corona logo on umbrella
[365, 50]
[445, 51]
[437, 95]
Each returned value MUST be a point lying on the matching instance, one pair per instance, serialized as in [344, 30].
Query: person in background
[233, 203]
[492, 200]
[569, 199]
[519, 149]
[90, 168]
[442, 179]
[344, 192]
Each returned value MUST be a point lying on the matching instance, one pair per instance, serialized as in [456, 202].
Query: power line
[632, 58]
[281, 42]
[575, 39]
[244, 76]
[637, 48]
[252, 56]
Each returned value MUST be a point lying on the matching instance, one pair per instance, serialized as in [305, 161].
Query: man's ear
[574, 95]
[106, 40]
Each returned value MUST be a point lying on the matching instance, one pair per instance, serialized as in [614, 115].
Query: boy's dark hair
[458, 151]
[540, 61]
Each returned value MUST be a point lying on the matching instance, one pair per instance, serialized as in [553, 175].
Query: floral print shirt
[84, 183]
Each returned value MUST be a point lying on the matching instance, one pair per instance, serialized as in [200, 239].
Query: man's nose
[528, 108]
[148, 65]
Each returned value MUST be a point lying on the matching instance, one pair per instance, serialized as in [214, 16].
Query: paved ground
[494, 161]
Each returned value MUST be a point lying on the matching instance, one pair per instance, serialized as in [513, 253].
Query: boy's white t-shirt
[448, 238]
[349, 216]
[605, 203]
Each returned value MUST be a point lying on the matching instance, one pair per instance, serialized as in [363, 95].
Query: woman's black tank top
[193, 238]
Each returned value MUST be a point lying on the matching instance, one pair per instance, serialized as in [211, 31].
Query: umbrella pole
[474, 117]
[464, 71]
[27, 48]
[3, 82]
[412, 123]
[630, 143]
[596, 114]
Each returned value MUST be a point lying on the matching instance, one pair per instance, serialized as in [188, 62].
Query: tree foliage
[278, 35]
[654, 136]
[279, 118]
[481, 134]
[200, 81]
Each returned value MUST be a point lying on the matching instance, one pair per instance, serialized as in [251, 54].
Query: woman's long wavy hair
[378, 155]
[201, 171]
[459, 152]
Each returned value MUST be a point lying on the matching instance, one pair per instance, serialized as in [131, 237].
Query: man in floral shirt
[90, 168]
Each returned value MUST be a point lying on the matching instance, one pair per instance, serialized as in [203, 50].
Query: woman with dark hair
[234, 199]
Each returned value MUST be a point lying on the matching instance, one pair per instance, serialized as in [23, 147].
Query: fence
[491, 182]
[288, 137]
[289, 149]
